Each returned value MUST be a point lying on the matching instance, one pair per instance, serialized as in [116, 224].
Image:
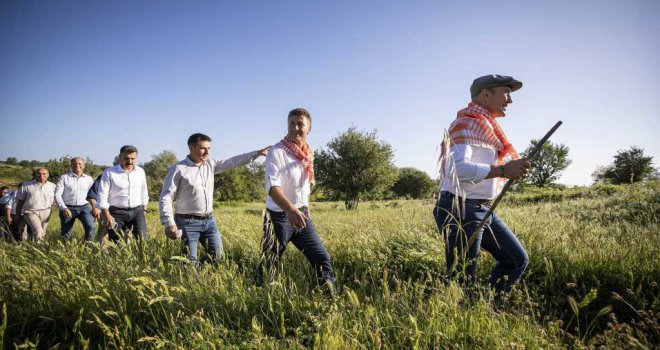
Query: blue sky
[85, 77]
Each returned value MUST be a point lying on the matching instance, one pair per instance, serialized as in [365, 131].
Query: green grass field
[592, 282]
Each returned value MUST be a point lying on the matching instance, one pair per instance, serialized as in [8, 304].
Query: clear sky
[85, 77]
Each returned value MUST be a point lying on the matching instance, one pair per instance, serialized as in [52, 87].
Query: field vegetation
[592, 282]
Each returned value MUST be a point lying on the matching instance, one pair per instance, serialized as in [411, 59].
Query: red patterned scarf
[474, 125]
[305, 155]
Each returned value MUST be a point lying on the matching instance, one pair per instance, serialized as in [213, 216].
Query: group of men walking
[476, 157]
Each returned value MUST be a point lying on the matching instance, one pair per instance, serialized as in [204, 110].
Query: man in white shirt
[190, 183]
[289, 175]
[34, 201]
[123, 196]
[70, 196]
[472, 173]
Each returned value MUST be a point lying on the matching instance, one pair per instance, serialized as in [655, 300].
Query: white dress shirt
[72, 190]
[36, 196]
[191, 186]
[287, 173]
[122, 189]
[472, 165]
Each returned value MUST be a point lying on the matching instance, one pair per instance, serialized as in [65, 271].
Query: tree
[156, 170]
[244, 183]
[12, 160]
[355, 165]
[413, 183]
[629, 166]
[548, 163]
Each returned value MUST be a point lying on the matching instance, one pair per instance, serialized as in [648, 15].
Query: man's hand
[515, 169]
[296, 218]
[109, 220]
[146, 209]
[96, 213]
[67, 213]
[263, 151]
[171, 232]
[9, 221]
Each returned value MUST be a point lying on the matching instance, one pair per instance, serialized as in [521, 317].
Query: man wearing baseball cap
[476, 159]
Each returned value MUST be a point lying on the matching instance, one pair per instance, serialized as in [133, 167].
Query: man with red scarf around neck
[289, 175]
[475, 162]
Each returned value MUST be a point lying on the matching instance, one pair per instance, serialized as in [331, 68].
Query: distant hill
[11, 175]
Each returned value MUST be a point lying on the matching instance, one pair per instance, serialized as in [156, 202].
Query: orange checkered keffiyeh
[304, 154]
[475, 126]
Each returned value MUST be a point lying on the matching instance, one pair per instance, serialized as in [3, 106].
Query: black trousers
[128, 219]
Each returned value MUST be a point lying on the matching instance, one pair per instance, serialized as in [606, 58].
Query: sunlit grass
[592, 281]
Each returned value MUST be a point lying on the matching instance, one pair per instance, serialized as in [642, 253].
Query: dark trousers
[306, 240]
[128, 219]
[457, 220]
[82, 213]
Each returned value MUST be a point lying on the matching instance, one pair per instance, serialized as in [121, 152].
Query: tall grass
[592, 281]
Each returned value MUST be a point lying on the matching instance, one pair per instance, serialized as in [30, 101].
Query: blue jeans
[457, 226]
[82, 213]
[307, 240]
[200, 231]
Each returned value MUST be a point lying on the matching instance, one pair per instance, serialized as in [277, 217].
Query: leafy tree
[629, 166]
[11, 160]
[356, 165]
[156, 170]
[413, 183]
[245, 183]
[548, 163]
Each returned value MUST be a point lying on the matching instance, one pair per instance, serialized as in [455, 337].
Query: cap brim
[515, 85]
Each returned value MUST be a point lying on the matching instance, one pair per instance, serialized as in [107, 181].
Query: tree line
[357, 165]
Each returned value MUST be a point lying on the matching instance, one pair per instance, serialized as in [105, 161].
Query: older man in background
[70, 194]
[34, 202]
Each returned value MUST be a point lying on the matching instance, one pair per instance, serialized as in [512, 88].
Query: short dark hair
[300, 112]
[4, 188]
[196, 137]
[128, 149]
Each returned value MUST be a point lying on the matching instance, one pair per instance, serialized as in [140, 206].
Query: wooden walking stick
[509, 183]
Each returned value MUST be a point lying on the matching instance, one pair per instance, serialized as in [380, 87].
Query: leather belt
[193, 216]
[486, 202]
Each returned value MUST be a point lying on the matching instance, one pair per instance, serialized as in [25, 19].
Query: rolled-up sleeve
[168, 196]
[272, 169]
[466, 169]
